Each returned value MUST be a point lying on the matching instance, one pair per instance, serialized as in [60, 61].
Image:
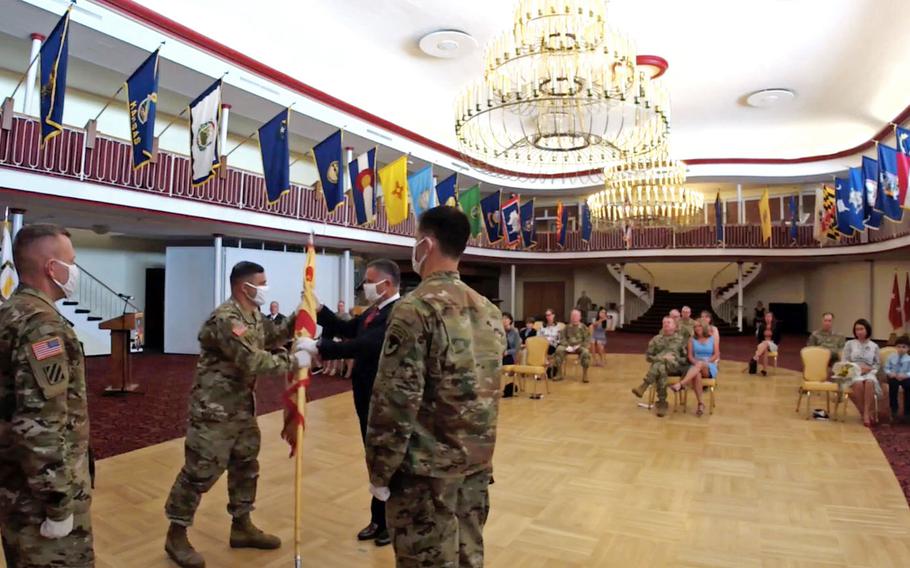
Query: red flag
[304, 326]
[894, 312]
[907, 301]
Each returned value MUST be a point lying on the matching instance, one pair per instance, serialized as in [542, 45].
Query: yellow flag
[764, 210]
[394, 180]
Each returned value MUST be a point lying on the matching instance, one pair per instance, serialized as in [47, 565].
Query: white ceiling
[846, 59]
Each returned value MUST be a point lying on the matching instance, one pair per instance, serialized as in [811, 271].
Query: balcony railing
[109, 162]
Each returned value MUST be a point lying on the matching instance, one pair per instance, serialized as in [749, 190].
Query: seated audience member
[685, 322]
[708, 318]
[667, 356]
[513, 340]
[865, 353]
[674, 313]
[768, 336]
[759, 315]
[897, 371]
[704, 353]
[550, 330]
[528, 330]
[826, 338]
[574, 339]
[599, 337]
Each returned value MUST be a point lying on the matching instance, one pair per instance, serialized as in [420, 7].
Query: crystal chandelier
[649, 190]
[561, 92]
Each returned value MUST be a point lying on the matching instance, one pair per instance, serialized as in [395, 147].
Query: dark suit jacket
[362, 344]
[775, 332]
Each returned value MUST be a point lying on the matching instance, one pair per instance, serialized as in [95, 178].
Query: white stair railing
[642, 294]
[725, 290]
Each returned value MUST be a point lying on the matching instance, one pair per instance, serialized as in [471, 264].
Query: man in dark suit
[274, 315]
[363, 337]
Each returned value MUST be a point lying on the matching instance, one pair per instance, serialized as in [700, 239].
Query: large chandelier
[561, 92]
[648, 190]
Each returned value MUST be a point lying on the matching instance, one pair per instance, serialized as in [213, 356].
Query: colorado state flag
[54, 55]
[363, 186]
[142, 101]
[394, 181]
[330, 163]
[276, 154]
[420, 186]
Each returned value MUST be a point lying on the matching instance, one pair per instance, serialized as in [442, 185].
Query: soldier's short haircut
[449, 226]
[828, 314]
[245, 269]
[903, 340]
[28, 236]
[389, 268]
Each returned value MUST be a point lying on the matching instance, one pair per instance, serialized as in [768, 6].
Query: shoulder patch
[395, 336]
[238, 329]
[47, 348]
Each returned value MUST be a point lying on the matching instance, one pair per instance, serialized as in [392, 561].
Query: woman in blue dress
[704, 352]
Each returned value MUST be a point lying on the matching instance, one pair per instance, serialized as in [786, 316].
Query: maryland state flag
[894, 310]
[330, 163]
[562, 221]
[276, 154]
[490, 206]
[528, 227]
[394, 181]
[54, 55]
[764, 209]
[469, 202]
[825, 221]
[9, 280]
[142, 101]
[445, 191]
[304, 326]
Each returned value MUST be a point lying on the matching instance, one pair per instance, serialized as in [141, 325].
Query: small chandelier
[649, 190]
[561, 92]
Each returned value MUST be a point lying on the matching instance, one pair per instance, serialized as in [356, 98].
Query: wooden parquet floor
[584, 477]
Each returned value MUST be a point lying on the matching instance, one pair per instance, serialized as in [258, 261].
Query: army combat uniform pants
[584, 356]
[659, 372]
[212, 447]
[24, 547]
[438, 522]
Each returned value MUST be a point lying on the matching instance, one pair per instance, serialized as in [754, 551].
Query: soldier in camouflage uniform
[432, 424]
[685, 323]
[826, 338]
[667, 356]
[574, 338]
[235, 344]
[45, 490]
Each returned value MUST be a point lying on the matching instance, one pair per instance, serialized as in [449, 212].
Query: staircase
[651, 321]
[725, 297]
[93, 303]
[641, 298]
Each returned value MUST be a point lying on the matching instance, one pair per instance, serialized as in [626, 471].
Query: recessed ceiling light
[447, 44]
[767, 98]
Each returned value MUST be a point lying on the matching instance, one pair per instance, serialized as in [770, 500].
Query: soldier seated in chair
[574, 339]
[667, 356]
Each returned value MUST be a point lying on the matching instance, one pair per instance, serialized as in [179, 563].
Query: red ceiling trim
[154, 19]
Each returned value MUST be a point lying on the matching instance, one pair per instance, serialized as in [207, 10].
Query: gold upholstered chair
[534, 366]
[815, 380]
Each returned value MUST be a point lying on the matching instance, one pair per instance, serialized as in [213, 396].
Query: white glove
[304, 359]
[307, 344]
[381, 493]
[57, 529]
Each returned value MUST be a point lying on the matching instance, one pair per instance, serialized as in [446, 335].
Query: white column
[348, 158]
[225, 118]
[219, 271]
[724, 211]
[799, 212]
[345, 293]
[622, 294]
[739, 296]
[512, 291]
[32, 74]
[740, 210]
[16, 219]
[706, 214]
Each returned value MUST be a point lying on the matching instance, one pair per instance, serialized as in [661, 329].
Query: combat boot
[244, 534]
[640, 390]
[662, 408]
[178, 547]
[584, 376]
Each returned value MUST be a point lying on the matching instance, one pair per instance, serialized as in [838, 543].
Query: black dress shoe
[383, 538]
[370, 532]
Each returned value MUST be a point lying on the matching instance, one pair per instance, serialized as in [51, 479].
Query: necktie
[370, 317]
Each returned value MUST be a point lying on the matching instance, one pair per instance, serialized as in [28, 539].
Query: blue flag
[562, 224]
[794, 218]
[54, 56]
[142, 101]
[445, 191]
[888, 198]
[489, 208]
[857, 194]
[420, 186]
[528, 227]
[868, 183]
[511, 221]
[586, 227]
[276, 155]
[719, 218]
[363, 186]
[329, 159]
[847, 212]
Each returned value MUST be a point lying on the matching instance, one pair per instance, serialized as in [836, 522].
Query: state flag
[329, 155]
[205, 133]
[54, 58]
[363, 186]
[276, 153]
[511, 221]
[420, 186]
[490, 208]
[142, 105]
[394, 181]
[469, 202]
[528, 225]
[445, 191]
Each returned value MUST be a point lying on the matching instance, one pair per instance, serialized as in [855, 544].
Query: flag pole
[114, 96]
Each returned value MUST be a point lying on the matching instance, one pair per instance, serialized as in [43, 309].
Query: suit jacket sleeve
[332, 326]
[367, 344]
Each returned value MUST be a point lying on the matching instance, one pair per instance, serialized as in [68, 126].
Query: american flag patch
[47, 348]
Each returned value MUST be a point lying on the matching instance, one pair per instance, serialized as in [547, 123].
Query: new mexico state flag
[764, 208]
[394, 181]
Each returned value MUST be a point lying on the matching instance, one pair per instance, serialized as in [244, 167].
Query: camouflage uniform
[658, 348]
[574, 336]
[223, 433]
[432, 424]
[686, 327]
[44, 435]
[833, 342]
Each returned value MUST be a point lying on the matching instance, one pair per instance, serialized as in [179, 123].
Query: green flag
[469, 202]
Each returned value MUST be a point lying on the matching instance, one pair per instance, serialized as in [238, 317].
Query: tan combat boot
[180, 550]
[662, 408]
[584, 376]
[639, 391]
[244, 534]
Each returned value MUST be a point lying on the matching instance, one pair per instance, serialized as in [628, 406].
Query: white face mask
[418, 264]
[72, 279]
[259, 297]
[371, 291]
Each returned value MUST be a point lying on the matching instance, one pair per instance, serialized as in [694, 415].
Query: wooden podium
[121, 329]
